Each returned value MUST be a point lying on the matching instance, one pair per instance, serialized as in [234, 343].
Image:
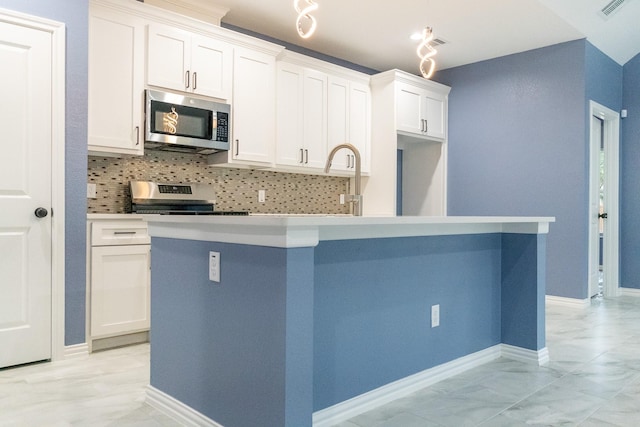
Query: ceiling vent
[438, 42]
[611, 8]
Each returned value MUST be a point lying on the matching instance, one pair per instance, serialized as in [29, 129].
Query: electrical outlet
[342, 199]
[435, 315]
[214, 266]
[262, 195]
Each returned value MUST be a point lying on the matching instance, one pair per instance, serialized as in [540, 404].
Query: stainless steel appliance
[175, 122]
[149, 197]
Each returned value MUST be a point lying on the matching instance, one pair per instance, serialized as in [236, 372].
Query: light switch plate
[435, 315]
[91, 191]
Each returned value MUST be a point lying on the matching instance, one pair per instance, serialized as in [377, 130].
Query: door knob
[41, 212]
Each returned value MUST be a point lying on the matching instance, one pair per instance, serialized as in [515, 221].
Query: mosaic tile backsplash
[236, 189]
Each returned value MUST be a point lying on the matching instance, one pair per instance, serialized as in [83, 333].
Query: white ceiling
[375, 33]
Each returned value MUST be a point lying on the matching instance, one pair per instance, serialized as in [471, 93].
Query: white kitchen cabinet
[120, 285]
[119, 281]
[349, 121]
[420, 111]
[189, 62]
[253, 111]
[116, 82]
[301, 117]
[400, 146]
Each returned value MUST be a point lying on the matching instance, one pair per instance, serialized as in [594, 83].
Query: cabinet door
[254, 106]
[169, 58]
[315, 118]
[211, 67]
[116, 86]
[120, 289]
[435, 115]
[338, 123]
[360, 121]
[289, 99]
[409, 105]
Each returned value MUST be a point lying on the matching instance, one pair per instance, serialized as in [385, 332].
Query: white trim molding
[539, 357]
[58, 79]
[568, 302]
[76, 351]
[629, 292]
[365, 402]
[343, 411]
[177, 410]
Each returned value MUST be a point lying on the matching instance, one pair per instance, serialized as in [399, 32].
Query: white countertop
[290, 231]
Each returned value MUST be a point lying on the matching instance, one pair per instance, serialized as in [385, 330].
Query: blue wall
[517, 146]
[292, 331]
[75, 14]
[630, 178]
[239, 352]
[373, 301]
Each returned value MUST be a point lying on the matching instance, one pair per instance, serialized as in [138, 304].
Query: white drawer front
[109, 233]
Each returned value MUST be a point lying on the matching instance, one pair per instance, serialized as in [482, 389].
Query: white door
[25, 185]
[604, 132]
[595, 206]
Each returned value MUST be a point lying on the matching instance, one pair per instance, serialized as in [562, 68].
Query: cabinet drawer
[111, 233]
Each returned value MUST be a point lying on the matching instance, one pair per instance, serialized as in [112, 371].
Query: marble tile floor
[103, 389]
[592, 379]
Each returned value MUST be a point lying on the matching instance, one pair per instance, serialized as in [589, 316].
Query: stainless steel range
[149, 197]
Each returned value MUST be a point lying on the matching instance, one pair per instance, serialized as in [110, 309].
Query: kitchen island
[318, 318]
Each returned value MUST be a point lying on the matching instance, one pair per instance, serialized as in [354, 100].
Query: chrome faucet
[356, 198]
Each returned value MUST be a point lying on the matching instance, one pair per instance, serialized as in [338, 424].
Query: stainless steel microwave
[175, 122]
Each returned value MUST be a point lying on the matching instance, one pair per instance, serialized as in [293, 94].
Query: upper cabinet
[421, 110]
[116, 82]
[301, 106]
[189, 62]
[253, 109]
[320, 106]
[349, 122]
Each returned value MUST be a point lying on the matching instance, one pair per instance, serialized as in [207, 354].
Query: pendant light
[426, 52]
[304, 17]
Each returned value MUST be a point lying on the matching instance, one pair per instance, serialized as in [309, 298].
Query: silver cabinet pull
[237, 147]
[186, 80]
[348, 161]
[301, 156]
[195, 80]
[426, 126]
[124, 232]
[137, 135]
[306, 156]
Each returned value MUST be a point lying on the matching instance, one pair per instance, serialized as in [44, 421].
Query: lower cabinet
[119, 272]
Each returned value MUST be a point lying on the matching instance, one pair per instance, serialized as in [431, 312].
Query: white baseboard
[76, 350]
[520, 354]
[177, 410]
[365, 402]
[568, 302]
[629, 292]
[370, 400]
